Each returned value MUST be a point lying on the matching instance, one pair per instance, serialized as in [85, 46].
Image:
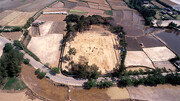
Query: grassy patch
[108, 12]
[14, 83]
[76, 11]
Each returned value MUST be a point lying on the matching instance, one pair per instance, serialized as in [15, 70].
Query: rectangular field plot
[46, 48]
[89, 10]
[93, 5]
[57, 27]
[10, 18]
[5, 13]
[137, 58]
[52, 17]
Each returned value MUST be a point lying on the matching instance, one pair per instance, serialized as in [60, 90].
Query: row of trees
[10, 62]
[151, 80]
[104, 83]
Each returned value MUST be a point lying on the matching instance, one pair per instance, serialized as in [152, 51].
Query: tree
[172, 25]
[37, 71]
[26, 61]
[104, 83]
[90, 83]
[41, 75]
[11, 62]
[8, 47]
[72, 51]
[55, 70]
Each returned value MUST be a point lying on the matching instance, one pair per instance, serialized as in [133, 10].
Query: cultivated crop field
[96, 46]
[15, 18]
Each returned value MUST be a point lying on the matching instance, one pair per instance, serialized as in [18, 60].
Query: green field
[14, 83]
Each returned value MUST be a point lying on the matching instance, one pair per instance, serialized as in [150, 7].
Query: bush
[72, 51]
[8, 47]
[37, 71]
[41, 75]
[90, 83]
[26, 61]
[105, 83]
[55, 70]
[66, 57]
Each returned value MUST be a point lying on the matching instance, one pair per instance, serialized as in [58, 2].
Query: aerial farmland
[93, 50]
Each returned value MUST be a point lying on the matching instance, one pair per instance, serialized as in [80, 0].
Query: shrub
[37, 71]
[66, 57]
[141, 71]
[8, 47]
[55, 70]
[105, 83]
[72, 51]
[41, 75]
[90, 83]
[26, 61]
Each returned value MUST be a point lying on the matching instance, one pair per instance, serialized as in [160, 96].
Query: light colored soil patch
[5, 13]
[97, 47]
[45, 27]
[10, 17]
[55, 9]
[137, 58]
[21, 19]
[73, 0]
[158, 93]
[159, 53]
[12, 35]
[166, 64]
[116, 93]
[46, 48]
[89, 10]
[58, 5]
[15, 97]
[2, 43]
[51, 17]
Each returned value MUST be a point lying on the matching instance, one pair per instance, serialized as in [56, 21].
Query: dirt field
[158, 93]
[45, 27]
[116, 93]
[51, 17]
[97, 47]
[15, 18]
[12, 35]
[159, 53]
[19, 96]
[58, 5]
[166, 64]
[46, 48]
[89, 10]
[137, 58]
[57, 27]
[97, 1]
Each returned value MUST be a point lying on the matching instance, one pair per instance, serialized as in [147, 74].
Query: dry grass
[51, 17]
[97, 47]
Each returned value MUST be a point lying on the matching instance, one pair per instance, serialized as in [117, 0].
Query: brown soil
[12, 35]
[43, 87]
[89, 95]
[51, 17]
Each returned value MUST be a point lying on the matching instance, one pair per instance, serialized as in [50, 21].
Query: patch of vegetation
[55, 70]
[150, 80]
[83, 70]
[40, 74]
[104, 83]
[10, 62]
[28, 23]
[11, 29]
[15, 84]
[26, 61]
[21, 46]
[76, 11]
[72, 51]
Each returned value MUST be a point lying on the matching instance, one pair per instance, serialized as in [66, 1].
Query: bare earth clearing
[21, 96]
[47, 48]
[97, 47]
[155, 93]
[12, 35]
